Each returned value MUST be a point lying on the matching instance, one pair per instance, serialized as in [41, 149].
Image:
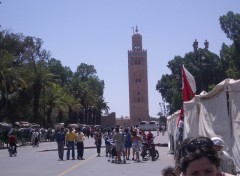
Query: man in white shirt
[227, 163]
[80, 145]
[35, 136]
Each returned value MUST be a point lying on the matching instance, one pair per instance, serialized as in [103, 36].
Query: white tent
[216, 113]
[172, 130]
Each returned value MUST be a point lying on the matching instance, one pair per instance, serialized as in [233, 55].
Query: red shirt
[149, 137]
[12, 139]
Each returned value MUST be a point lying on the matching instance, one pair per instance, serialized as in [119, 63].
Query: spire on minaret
[133, 29]
[136, 29]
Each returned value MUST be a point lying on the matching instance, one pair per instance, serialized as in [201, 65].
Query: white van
[153, 125]
[143, 125]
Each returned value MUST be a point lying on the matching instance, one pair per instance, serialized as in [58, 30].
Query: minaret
[138, 80]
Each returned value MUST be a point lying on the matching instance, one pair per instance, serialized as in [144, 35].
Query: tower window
[138, 99]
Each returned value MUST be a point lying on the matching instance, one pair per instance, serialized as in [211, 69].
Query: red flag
[189, 88]
[189, 85]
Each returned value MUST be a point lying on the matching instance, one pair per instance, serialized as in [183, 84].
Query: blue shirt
[60, 137]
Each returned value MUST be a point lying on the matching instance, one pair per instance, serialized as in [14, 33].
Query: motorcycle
[148, 150]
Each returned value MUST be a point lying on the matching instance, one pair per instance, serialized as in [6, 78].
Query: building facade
[138, 81]
[109, 120]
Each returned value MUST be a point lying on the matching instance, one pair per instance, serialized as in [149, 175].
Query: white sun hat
[217, 141]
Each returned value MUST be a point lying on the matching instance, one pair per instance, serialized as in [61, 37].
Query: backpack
[127, 138]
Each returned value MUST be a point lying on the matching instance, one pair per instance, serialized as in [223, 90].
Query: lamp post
[162, 107]
[91, 115]
[199, 57]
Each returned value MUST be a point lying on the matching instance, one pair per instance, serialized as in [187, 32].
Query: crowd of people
[194, 156]
[120, 143]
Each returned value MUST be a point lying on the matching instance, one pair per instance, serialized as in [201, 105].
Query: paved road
[44, 161]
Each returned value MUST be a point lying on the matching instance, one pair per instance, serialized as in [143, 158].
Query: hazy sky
[98, 32]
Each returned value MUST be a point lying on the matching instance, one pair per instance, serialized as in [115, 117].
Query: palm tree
[11, 81]
[53, 99]
[39, 78]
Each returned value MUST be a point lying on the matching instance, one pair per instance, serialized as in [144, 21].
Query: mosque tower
[138, 80]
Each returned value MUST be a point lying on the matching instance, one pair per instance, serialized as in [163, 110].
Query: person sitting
[12, 142]
[149, 138]
[197, 156]
[227, 163]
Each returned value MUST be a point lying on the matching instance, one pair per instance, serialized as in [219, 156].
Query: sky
[98, 33]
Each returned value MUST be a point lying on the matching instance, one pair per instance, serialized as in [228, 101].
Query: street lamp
[162, 107]
[92, 116]
[199, 58]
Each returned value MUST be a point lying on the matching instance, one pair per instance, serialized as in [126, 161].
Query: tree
[32, 85]
[53, 99]
[65, 74]
[204, 65]
[230, 24]
[89, 88]
[39, 78]
[11, 82]
[84, 72]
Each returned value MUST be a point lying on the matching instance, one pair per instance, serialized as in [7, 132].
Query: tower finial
[136, 29]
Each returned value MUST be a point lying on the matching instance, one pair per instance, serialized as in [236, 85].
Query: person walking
[108, 139]
[12, 141]
[70, 138]
[35, 136]
[98, 140]
[118, 138]
[127, 143]
[136, 145]
[80, 145]
[60, 139]
[163, 129]
[158, 128]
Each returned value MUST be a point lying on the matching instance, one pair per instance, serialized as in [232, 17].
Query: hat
[217, 141]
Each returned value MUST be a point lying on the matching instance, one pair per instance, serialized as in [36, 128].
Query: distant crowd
[120, 143]
[194, 156]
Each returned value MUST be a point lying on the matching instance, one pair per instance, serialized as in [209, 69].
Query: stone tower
[138, 81]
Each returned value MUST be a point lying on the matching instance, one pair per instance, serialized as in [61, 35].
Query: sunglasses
[198, 146]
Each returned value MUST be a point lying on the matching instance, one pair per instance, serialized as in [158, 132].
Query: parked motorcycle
[148, 150]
